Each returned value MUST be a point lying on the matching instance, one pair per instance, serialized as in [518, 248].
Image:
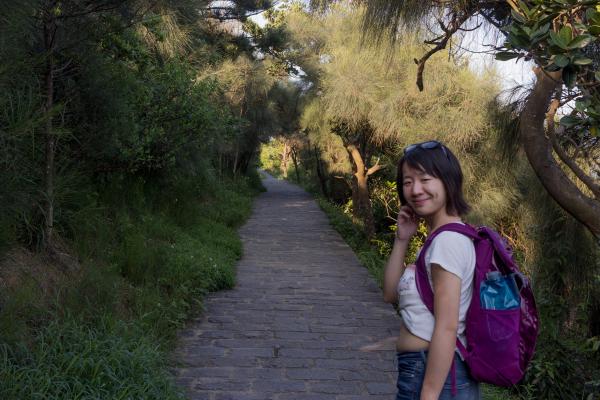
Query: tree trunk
[245, 161]
[49, 43]
[539, 153]
[285, 156]
[295, 160]
[360, 192]
[320, 174]
[236, 158]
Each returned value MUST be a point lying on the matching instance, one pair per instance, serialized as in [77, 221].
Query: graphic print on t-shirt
[407, 281]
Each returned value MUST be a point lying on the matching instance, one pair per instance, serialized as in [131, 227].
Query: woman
[430, 188]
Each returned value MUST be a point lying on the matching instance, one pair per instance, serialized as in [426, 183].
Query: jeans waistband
[413, 355]
[421, 355]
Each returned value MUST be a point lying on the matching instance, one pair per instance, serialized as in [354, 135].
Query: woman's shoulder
[453, 251]
[452, 239]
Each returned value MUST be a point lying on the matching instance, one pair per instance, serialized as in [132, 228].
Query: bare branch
[375, 167]
[99, 8]
[451, 29]
[470, 29]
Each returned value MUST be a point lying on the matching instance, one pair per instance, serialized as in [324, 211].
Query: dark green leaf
[592, 15]
[594, 30]
[546, 20]
[519, 30]
[556, 50]
[523, 6]
[589, 13]
[519, 41]
[597, 75]
[517, 16]
[557, 40]
[570, 121]
[566, 34]
[569, 76]
[506, 55]
[579, 42]
[538, 33]
[561, 61]
[593, 113]
[582, 104]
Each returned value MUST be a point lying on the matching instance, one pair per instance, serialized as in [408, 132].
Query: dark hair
[440, 163]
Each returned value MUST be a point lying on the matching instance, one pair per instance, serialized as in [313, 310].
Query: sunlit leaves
[579, 42]
[557, 35]
[561, 38]
[582, 61]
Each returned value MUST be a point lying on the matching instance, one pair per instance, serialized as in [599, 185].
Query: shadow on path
[292, 326]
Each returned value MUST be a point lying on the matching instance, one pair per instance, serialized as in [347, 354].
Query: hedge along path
[293, 325]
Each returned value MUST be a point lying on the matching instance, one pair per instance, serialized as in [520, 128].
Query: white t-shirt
[456, 254]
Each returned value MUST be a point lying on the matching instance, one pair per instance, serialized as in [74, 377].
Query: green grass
[147, 261]
[70, 360]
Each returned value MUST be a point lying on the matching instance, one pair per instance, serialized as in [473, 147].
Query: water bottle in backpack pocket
[499, 292]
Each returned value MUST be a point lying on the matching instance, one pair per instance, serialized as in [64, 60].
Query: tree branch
[539, 153]
[564, 157]
[451, 29]
[375, 168]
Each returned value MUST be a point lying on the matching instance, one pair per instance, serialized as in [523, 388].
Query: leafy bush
[103, 331]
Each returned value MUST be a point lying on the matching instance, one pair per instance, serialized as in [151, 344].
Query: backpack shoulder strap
[422, 279]
[501, 249]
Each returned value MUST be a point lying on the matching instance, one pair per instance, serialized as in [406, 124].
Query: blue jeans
[411, 372]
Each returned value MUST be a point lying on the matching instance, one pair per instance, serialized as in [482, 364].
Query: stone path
[292, 326]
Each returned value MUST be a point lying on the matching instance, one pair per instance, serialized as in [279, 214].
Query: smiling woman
[439, 167]
[430, 188]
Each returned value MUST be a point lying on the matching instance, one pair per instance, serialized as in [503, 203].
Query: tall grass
[149, 252]
[71, 360]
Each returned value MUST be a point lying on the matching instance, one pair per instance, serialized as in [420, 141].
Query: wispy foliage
[359, 83]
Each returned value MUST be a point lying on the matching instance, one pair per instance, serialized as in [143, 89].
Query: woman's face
[423, 192]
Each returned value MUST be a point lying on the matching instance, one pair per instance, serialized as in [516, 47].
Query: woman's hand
[407, 223]
[407, 227]
[387, 344]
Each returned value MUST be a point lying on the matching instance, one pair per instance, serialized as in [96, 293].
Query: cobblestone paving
[292, 326]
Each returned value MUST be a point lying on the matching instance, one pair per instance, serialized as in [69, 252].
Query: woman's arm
[407, 227]
[446, 303]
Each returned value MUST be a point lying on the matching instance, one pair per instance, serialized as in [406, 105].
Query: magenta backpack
[500, 343]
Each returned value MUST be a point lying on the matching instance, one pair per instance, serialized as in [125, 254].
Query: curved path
[292, 326]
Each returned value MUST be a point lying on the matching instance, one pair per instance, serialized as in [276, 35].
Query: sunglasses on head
[428, 145]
